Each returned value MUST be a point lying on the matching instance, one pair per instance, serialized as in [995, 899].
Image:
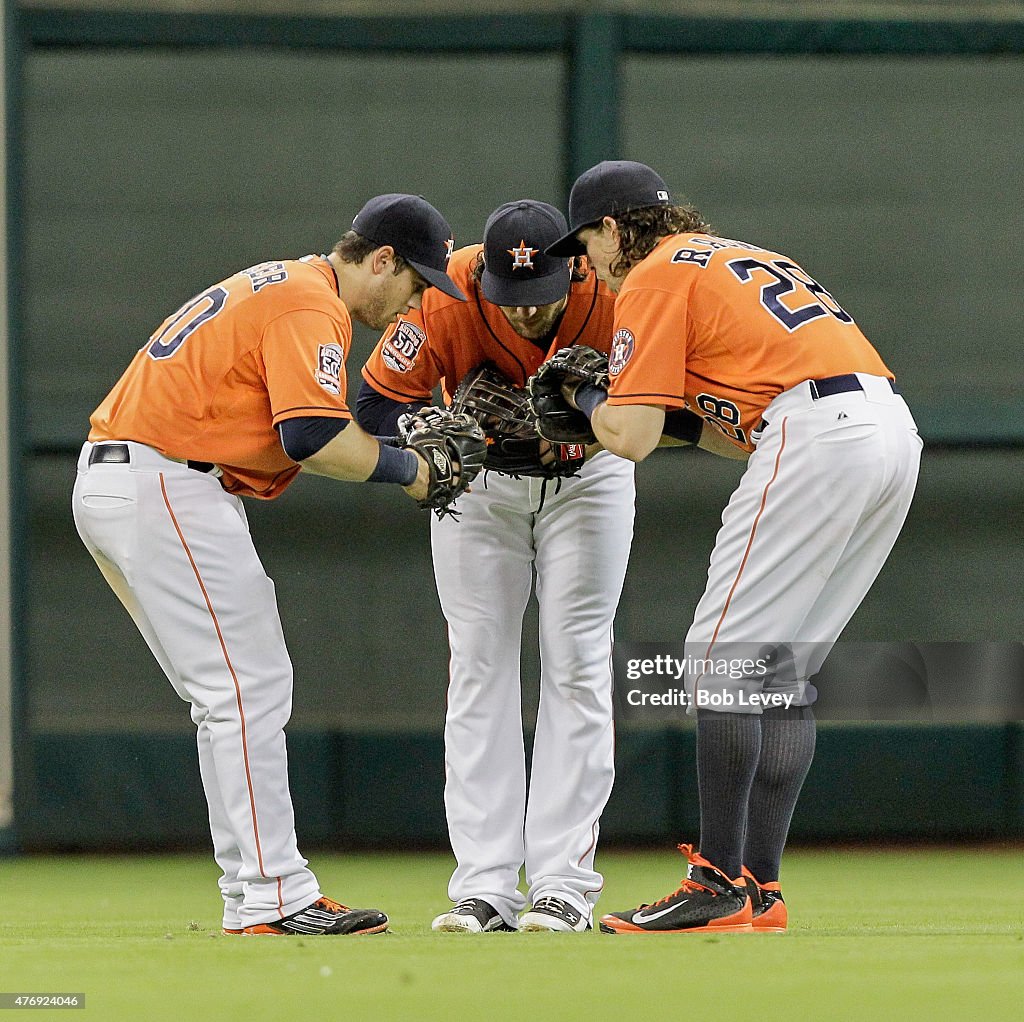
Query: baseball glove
[557, 420]
[454, 449]
[513, 445]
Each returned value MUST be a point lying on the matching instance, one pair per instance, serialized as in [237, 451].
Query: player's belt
[109, 454]
[839, 385]
[119, 454]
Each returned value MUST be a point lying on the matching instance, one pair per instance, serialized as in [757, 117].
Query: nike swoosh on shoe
[640, 917]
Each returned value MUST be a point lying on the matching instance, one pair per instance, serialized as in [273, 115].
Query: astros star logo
[522, 256]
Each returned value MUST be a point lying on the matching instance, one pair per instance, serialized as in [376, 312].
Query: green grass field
[901, 935]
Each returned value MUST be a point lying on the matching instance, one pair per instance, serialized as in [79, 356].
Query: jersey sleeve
[647, 361]
[303, 355]
[401, 367]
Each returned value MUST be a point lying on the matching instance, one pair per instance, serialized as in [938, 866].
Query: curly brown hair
[478, 266]
[354, 248]
[641, 229]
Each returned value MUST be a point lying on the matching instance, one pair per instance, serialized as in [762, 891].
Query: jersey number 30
[787, 277]
[189, 318]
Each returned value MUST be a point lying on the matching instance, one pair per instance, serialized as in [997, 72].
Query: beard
[376, 312]
[540, 324]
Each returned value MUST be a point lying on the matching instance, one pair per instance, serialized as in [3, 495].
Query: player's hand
[450, 449]
[420, 486]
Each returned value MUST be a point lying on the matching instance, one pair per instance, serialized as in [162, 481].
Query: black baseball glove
[513, 445]
[454, 448]
[557, 420]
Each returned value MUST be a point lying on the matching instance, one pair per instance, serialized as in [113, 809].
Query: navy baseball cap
[517, 269]
[610, 188]
[416, 231]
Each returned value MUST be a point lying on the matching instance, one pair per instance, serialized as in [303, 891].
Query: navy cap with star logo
[516, 269]
[416, 231]
[609, 189]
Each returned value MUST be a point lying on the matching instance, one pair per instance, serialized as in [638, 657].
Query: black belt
[119, 454]
[840, 385]
[845, 384]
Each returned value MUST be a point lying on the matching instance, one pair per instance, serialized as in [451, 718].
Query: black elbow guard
[302, 437]
[683, 425]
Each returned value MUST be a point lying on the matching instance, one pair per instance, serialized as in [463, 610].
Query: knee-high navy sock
[728, 748]
[787, 748]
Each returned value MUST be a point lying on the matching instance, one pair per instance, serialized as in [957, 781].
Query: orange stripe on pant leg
[590, 847]
[750, 543]
[593, 841]
[234, 679]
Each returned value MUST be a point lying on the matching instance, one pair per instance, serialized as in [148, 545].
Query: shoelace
[330, 905]
[550, 904]
[467, 905]
[687, 884]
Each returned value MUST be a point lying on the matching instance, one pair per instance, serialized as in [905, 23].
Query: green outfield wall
[154, 154]
[880, 782]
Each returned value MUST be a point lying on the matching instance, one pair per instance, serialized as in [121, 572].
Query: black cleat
[553, 914]
[769, 913]
[471, 915]
[323, 917]
[707, 901]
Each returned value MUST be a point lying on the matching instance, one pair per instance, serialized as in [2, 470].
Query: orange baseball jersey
[265, 345]
[445, 339]
[721, 327]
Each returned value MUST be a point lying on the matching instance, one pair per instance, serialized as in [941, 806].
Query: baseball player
[749, 340]
[574, 532]
[232, 395]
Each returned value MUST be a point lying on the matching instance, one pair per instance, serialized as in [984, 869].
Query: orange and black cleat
[323, 917]
[768, 910]
[707, 901]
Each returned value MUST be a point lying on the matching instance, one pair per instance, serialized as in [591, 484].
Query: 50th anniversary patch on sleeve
[330, 359]
[401, 348]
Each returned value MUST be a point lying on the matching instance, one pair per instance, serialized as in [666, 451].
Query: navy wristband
[588, 397]
[395, 465]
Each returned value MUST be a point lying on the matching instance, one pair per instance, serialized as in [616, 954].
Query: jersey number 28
[786, 277]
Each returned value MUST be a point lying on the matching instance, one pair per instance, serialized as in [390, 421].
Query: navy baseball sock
[787, 748]
[728, 747]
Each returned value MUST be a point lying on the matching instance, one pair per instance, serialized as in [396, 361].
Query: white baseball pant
[806, 532]
[176, 549]
[578, 545]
